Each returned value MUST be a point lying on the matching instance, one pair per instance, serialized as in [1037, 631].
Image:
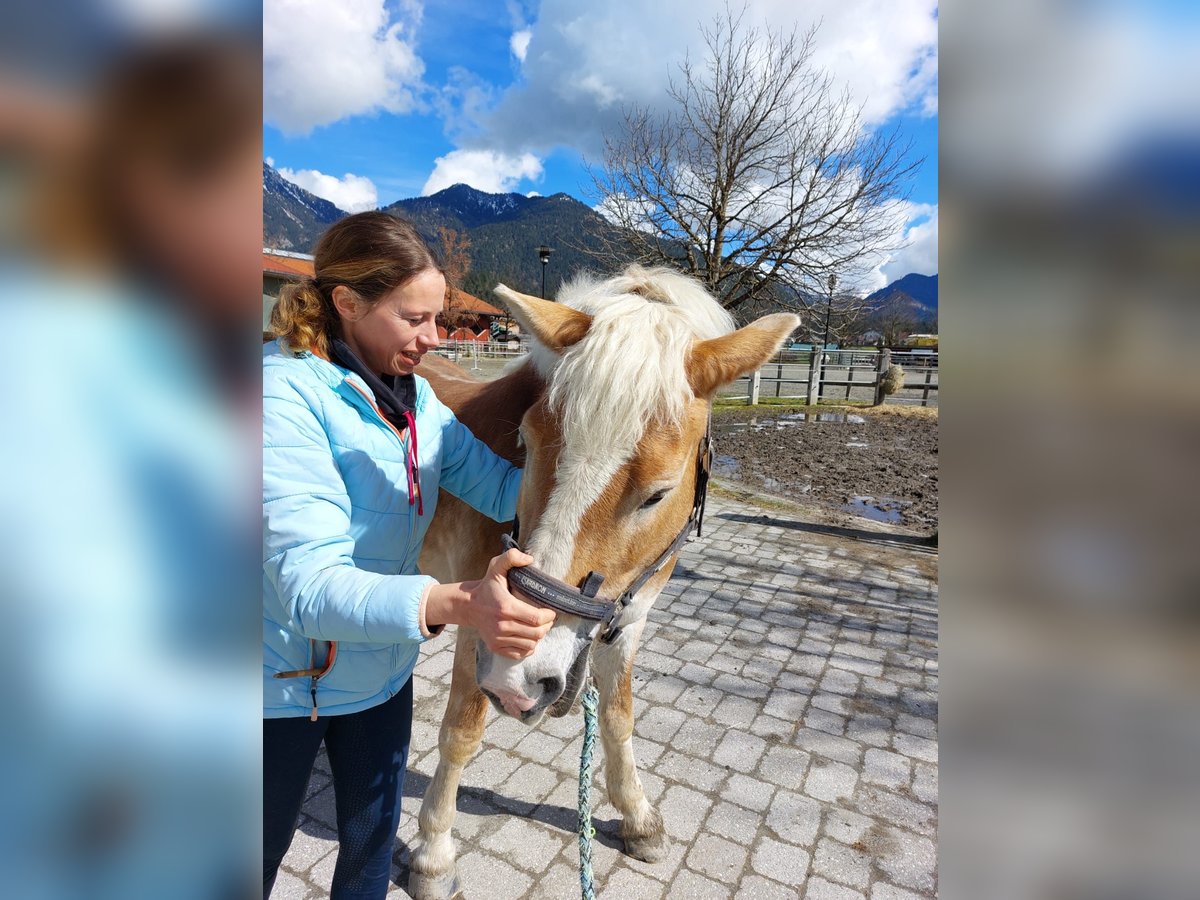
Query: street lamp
[544, 255]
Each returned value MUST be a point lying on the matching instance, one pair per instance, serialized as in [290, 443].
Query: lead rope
[586, 832]
[591, 696]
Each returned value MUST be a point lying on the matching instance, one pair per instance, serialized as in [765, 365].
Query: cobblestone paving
[786, 727]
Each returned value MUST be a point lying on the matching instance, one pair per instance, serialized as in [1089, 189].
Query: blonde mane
[627, 373]
[630, 369]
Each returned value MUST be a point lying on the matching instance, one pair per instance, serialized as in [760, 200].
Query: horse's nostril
[552, 687]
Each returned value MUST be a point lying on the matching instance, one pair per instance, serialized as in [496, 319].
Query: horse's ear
[555, 325]
[719, 361]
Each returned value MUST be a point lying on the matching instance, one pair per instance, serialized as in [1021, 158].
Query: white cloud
[919, 252]
[484, 170]
[573, 88]
[620, 209]
[326, 61]
[270, 161]
[519, 43]
[353, 193]
[533, 194]
[463, 102]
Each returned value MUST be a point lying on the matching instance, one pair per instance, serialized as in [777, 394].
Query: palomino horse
[606, 413]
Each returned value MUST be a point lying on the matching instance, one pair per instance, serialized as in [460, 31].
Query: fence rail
[460, 350]
[843, 376]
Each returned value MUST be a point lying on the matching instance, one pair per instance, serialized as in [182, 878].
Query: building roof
[292, 266]
[464, 302]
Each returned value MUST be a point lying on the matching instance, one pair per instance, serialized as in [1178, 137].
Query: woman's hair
[371, 253]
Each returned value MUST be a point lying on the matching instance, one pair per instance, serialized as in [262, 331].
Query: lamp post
[544, 255]
[832, 282]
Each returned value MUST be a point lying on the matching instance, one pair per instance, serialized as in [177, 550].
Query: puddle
[725, 466]
[845, 418]
[882, 509]
[779, 423]
[771, 486]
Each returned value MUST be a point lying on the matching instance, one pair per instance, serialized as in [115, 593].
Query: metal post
[544, 255]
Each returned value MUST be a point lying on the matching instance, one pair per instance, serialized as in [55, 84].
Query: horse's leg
[641, 824]
[431, 871]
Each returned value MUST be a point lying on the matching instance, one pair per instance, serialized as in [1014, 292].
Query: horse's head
[631, 364]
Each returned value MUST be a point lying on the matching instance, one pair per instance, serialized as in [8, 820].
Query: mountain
[908, 305]
[463, 207]
[505, 231]
[921, 290]
[293, 218]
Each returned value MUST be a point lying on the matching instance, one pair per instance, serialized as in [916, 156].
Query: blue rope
[586, 831]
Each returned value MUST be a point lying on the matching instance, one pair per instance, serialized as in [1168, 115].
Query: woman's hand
[509, 626]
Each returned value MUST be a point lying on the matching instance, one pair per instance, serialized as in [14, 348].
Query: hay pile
[892, 381]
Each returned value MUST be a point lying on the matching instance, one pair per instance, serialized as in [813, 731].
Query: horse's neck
[491, 409]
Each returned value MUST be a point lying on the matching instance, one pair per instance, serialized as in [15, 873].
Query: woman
[355, 448]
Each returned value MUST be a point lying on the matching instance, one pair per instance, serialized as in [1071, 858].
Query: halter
[535, 585]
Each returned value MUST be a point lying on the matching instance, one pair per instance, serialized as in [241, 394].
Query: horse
[606, 414]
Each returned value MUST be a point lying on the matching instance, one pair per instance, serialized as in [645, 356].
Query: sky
[366, 102]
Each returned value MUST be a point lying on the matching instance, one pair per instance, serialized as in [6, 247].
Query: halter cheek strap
[535, 585]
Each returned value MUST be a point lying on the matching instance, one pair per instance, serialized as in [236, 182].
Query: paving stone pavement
[785, 696]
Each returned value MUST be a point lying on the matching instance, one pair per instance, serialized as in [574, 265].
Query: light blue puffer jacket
[340, 540]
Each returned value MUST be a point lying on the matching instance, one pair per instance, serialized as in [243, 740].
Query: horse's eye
[656, 498]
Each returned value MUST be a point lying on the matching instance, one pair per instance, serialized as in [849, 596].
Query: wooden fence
[802, 375]
[840, 376]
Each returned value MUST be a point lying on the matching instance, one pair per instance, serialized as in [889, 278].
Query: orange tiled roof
[464, 302]
[289, 267]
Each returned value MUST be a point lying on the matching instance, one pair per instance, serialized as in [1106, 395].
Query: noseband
[535, 585]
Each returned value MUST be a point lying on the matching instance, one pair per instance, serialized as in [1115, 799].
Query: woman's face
[392, 335]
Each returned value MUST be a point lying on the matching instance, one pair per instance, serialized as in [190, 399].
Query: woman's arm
[475, 474]
[307, 547]
[308, 553]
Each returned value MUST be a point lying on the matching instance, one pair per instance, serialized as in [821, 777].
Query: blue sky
[367, 102]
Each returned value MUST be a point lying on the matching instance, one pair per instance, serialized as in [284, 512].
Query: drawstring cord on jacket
[414, 469]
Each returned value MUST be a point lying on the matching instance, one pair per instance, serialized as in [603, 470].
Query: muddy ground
[879, 464]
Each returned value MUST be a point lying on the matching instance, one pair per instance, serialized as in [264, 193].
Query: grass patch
[797, 402]
[725, 407]
[741, 495]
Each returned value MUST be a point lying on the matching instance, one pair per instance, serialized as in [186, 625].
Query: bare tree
[894, 318]
[843, 310]
[454, 248]
[759, 178]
